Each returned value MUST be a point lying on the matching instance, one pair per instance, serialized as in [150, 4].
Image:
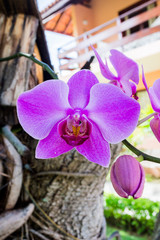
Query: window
[135, 13]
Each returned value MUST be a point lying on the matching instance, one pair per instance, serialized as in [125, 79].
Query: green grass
[125, 235]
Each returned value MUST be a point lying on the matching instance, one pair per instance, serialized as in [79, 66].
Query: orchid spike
[154, 95]
[84, 114]
[126, 69]
[128, 177]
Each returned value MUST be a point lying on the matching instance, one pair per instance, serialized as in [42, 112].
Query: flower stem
[31, 57]
[146, 118]
[138, 152]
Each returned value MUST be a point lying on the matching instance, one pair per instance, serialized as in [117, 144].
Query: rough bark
[2, 25]
[69, 189]
[29, 7]
[14, 74]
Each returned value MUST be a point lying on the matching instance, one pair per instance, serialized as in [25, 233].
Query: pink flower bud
[128, 177]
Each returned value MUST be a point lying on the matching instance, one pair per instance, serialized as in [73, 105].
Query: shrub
[133, 215]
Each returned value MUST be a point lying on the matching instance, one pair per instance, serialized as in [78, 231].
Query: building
[130, 26]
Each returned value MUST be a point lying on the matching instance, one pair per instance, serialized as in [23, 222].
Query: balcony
[116, 33]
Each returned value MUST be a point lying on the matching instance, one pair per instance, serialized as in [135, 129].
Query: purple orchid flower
[126, 70]
[128, 177]
[154, 95]
[84, 114]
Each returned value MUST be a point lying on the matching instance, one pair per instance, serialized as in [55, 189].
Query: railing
[76, 52]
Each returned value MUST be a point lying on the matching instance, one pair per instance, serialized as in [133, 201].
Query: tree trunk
[156, 235]
[69, 189]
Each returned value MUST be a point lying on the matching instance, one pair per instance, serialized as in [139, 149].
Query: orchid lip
[75, 129]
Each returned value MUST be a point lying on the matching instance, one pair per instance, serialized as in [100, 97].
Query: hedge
[129, 214]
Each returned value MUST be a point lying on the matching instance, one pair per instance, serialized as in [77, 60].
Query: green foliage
[145, 127]
[143, 130]
[124, 234]
[132, 215]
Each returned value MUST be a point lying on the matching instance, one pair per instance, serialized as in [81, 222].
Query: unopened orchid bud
[128, 177]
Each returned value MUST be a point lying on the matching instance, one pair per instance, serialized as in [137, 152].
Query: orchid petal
[153, 92]
[114, 112]
[155, 95]
[125, 67]
[133, 87]
[126, 86]
[104, 67]
[79, 88]
[52, 146]
[144, 81]
[155, 126]
[96, 149]
[42, 107]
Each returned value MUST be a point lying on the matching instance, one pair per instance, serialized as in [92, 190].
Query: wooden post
[19, 35]
[2, 25]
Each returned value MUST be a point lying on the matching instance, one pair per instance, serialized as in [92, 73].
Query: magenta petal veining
[83, 114]
[96, 141]
[40, 108]
[115, 125]
[52, 146]
[124, 66]
[126, 70]
[79, 88]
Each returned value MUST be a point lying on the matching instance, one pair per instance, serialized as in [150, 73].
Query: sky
[43, 4]
[54, 40]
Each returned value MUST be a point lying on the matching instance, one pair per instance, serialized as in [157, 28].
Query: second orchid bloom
[127, 71]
